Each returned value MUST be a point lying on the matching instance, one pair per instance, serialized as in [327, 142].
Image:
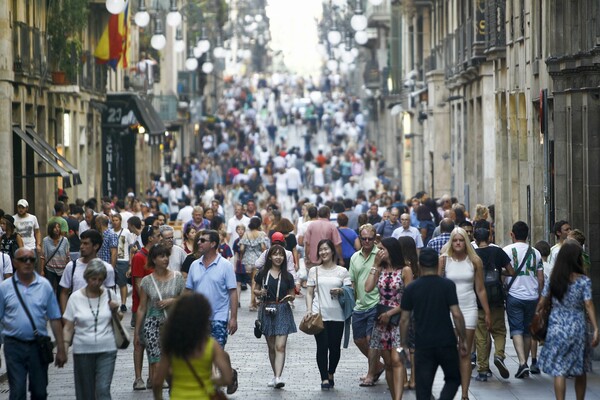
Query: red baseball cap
[277, 237]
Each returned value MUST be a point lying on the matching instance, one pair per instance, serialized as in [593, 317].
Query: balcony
[495, 33]
[92, 77]
[166, 106]
[29, 56]
[378, 14]
[464, 49]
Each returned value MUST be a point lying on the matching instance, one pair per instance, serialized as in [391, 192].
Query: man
[524, 291]
[468, 227]
[198, 222]
[213, 276]
[199, 179]
[432, 298]
[250, 210]
[387, 228]
[186, 213]
[561, 231]
[73, 220]
[233, 222]
[59, 216]
[373, 214]
[294, 183]
[150, 236]
[494, 261]
[351, 213]
[108, 250]
[365, 309]
[446, 228]
[72, 277]
[27, 226]
[134, 224]
[124, 241]
[87, 223]
[410, 231]
[246, 194]
[318, 230]
[178, 255]
[21, 351]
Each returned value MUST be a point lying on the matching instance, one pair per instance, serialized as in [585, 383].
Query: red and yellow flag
[113, 45]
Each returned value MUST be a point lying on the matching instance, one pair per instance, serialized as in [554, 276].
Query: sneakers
[279, 383]
[481, 377]
[271, 382]
[534, 369]
[499, 363]
[473, 360]
[522, 372]
[231, 389]
[138, 384]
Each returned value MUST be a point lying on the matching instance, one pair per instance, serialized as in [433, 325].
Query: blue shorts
[520, 313]
[363, 323]
[219, 332]
[120, 271]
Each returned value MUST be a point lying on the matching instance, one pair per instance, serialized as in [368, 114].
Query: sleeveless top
[462, 273]
[184, 385]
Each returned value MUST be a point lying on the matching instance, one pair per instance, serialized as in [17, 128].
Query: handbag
[394, 319]
[217, 395]
[44, 343]
[539, 324]
[121, 336]
[312, 324]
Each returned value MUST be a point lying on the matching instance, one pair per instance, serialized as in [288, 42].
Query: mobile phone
[378, 238]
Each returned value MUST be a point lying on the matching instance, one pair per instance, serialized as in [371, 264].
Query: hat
[23, 203]
[145, 205]
[130, 194]
[277, 237]
[9, 218]
[428, 257]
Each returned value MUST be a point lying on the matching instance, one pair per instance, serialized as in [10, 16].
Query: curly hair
[188, 325]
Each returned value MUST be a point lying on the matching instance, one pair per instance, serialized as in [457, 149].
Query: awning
[119, 107]
[40, 147]
[70, 167]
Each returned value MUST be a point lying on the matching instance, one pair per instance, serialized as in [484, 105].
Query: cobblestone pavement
[249, 357]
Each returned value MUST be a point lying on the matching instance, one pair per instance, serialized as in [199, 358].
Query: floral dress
[566, 351]
[391, 288]
[252, 249]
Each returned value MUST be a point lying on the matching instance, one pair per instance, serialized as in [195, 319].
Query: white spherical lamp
[115, 6]
[142, 18]
[204, 45]
[174, 18]
[158, 41]
[332, 64]
[191, 64]
[179, 46]
[358, 22]
[376, 2]
[361, 37]
[207, 67]
[334, 37]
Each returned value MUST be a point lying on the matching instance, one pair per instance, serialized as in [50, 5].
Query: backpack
[492, 280]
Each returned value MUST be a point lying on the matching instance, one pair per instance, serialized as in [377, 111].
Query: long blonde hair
[448, 251]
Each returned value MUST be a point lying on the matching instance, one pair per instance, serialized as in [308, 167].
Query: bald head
[446, 225]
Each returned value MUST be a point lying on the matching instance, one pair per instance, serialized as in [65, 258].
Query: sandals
[378, 375]
[366, 383]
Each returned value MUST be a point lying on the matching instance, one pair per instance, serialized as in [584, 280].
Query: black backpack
[492, 278]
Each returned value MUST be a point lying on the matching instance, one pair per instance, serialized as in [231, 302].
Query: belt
[19, 340]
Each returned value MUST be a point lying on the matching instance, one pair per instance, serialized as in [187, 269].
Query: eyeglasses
[167, 238]
[367, 239]
[26, 259]
[202, 240]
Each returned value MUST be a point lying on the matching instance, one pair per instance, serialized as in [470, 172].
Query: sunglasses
[26, 259]
[202, 240]
[367, 239]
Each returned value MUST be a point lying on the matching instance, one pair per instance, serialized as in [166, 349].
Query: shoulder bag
[121, 336]
[158, 292]
[525, 257]
[312, 324]
[217, 395]
[44, 343]
[539, 324]
[55, 251]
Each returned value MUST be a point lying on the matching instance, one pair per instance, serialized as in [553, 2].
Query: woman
[350, 241]
[567, 352]
[189, 234]
[275, 219]
[11, 240]
[252, 244]
[88, 326]
[286, 228]
[325, 285]
[55, 255]
[189, 352]
[426, 225]
[390, 275]
[460, 264]
[411, 259]
[158, 291]
[216, 222]
[275, 286]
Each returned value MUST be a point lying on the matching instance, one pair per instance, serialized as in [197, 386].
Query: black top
[271, 283]
[185, 267]
[430, 298]
[74, 242]
[8, 244]
[493, 259]
[290, 242]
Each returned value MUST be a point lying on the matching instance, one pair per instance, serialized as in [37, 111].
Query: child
[224, 249]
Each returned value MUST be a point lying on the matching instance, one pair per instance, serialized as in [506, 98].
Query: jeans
[93, 374]
[54, 280]
[482, 337]
[519, 313]
[329, 343]
[426, 363]
[23, 359]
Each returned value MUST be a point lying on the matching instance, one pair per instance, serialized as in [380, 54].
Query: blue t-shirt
[348, 237]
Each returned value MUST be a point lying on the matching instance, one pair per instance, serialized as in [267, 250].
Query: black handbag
[43, 342]
[394, 319]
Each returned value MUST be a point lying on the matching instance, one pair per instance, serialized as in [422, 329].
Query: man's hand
[61, 357]
[232, 326]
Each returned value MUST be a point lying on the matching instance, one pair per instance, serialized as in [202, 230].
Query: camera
[271, 310]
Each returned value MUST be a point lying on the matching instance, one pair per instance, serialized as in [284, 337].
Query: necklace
[95, 314]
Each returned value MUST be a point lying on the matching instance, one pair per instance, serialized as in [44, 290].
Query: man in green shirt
[365, 311]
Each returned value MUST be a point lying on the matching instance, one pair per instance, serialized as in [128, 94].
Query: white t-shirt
[185, 214]
[78, 281]
[331, 310]
[293, 179]
[318, 177]
[90, 336]
[124, 240]
[281, 182]
[552, 257]
[83, 226]
[232, 223]
[176, 258]
[7, 267]
[26, 227]
[125, 215]
[526, 282]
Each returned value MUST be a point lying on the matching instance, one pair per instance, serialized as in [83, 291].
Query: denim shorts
[120, 273]
[363, 323]
[520, 313]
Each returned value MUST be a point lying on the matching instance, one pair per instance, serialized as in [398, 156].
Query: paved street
[249, 357]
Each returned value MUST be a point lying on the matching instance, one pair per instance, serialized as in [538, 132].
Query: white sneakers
[277, 383]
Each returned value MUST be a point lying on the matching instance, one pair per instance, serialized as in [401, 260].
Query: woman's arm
[591, 311]
[373, 277]
[442, 265]
[407, 275]
[141, 313]
[221, 360]
[480, 291]
[296, 259]
[68, 331]
[310, 292]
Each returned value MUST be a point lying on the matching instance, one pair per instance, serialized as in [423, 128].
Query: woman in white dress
[460, 264]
